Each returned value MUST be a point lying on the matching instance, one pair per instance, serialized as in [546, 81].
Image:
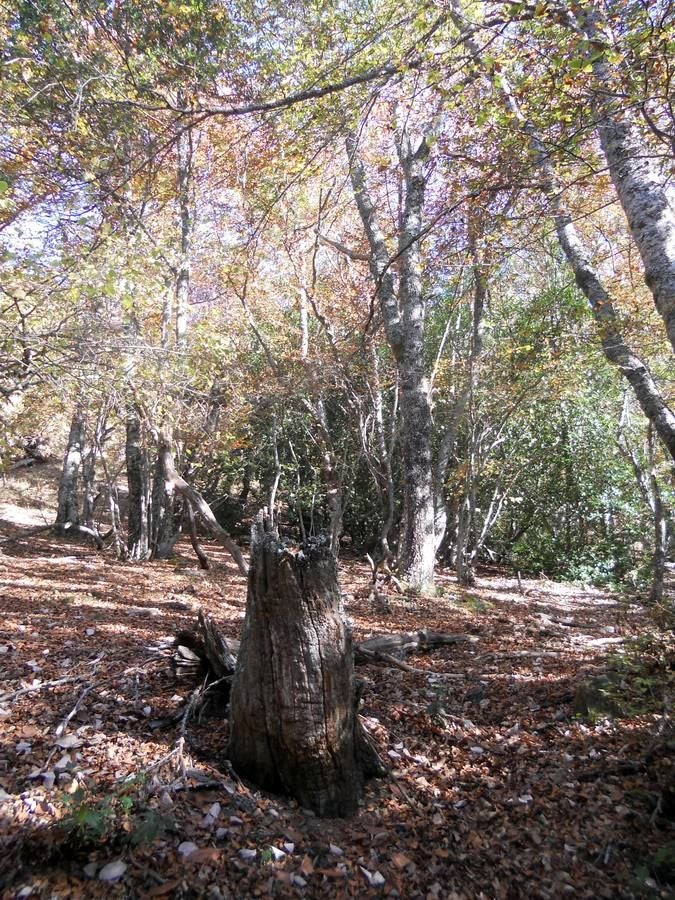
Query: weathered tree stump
[293, 707]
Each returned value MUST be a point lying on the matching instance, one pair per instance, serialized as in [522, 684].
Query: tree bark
[68, 511]
[194, 540]
[385, 451]
[89, 468]
[642, 195]
[330, 474]
[199, 504]
[467, 390]
[138, 542]
[164, 532]
[616, 351]
[648, 483]
[294, 725]
[661, 544]
[403, 316]
[184, 150]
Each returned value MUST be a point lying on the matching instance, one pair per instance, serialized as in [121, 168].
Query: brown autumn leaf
[205, 855]
[161, 890]
[332, 873]
[306, 866]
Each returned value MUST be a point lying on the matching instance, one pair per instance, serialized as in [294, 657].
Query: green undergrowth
[119, 817]
[639, 681]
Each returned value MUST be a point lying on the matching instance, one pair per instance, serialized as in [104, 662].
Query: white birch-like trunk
[616, 351]
[639, 186]
[184, 149]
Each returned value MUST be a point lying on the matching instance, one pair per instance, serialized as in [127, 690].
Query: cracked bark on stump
[294, 724]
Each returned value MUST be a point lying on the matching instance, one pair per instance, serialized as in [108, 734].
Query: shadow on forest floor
[497, 788]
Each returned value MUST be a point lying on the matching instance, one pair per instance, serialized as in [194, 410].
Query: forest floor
[508, 778]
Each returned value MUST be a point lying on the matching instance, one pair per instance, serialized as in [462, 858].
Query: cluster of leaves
[120, 817]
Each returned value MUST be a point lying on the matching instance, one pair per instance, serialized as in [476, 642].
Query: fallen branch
[43, 686]
[62, 727]
[206, 652]
[520, 654]
[414, 641]
[363, 655]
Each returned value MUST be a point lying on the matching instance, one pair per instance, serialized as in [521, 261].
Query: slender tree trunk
[246, 482]
[661, 544]
[138, 541]
[331, 477]
[385, 450]
[466, 516]
[89, 495]
[650, 490]
[164, 532]
[121, 551]
[418, 544]
[89, 468]
[296, 500]
[417, 549]
[641, 192]
[449, 438]
[277, 470]
[185, 151]
[192, 496]
[68, 511]
[616, 351]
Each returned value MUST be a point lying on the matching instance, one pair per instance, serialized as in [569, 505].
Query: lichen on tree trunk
[294, 725]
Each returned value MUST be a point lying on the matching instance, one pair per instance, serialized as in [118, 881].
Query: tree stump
[293, 709]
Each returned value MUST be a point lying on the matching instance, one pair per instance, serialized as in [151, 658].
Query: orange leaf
[205, 855]
[160, 890]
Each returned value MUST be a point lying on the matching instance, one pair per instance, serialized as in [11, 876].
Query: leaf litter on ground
[497, 788]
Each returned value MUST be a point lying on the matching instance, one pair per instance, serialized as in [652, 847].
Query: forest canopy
[405, 273]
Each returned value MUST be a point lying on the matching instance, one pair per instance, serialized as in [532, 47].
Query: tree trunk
[164, 531]
[449, 439]
[198, 503]
[271, 504]
[642, 195]
[403, 316]
[294, 725]
[418, 544]
[331, 476]
[648, 483]
[138, 543]
[385, 452]
[97, 441]
[661, 544]
[616, 351]
[650, 215]
[184, 150]
[68, 512]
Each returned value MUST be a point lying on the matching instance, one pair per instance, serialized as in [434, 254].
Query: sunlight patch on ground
[21, 516]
